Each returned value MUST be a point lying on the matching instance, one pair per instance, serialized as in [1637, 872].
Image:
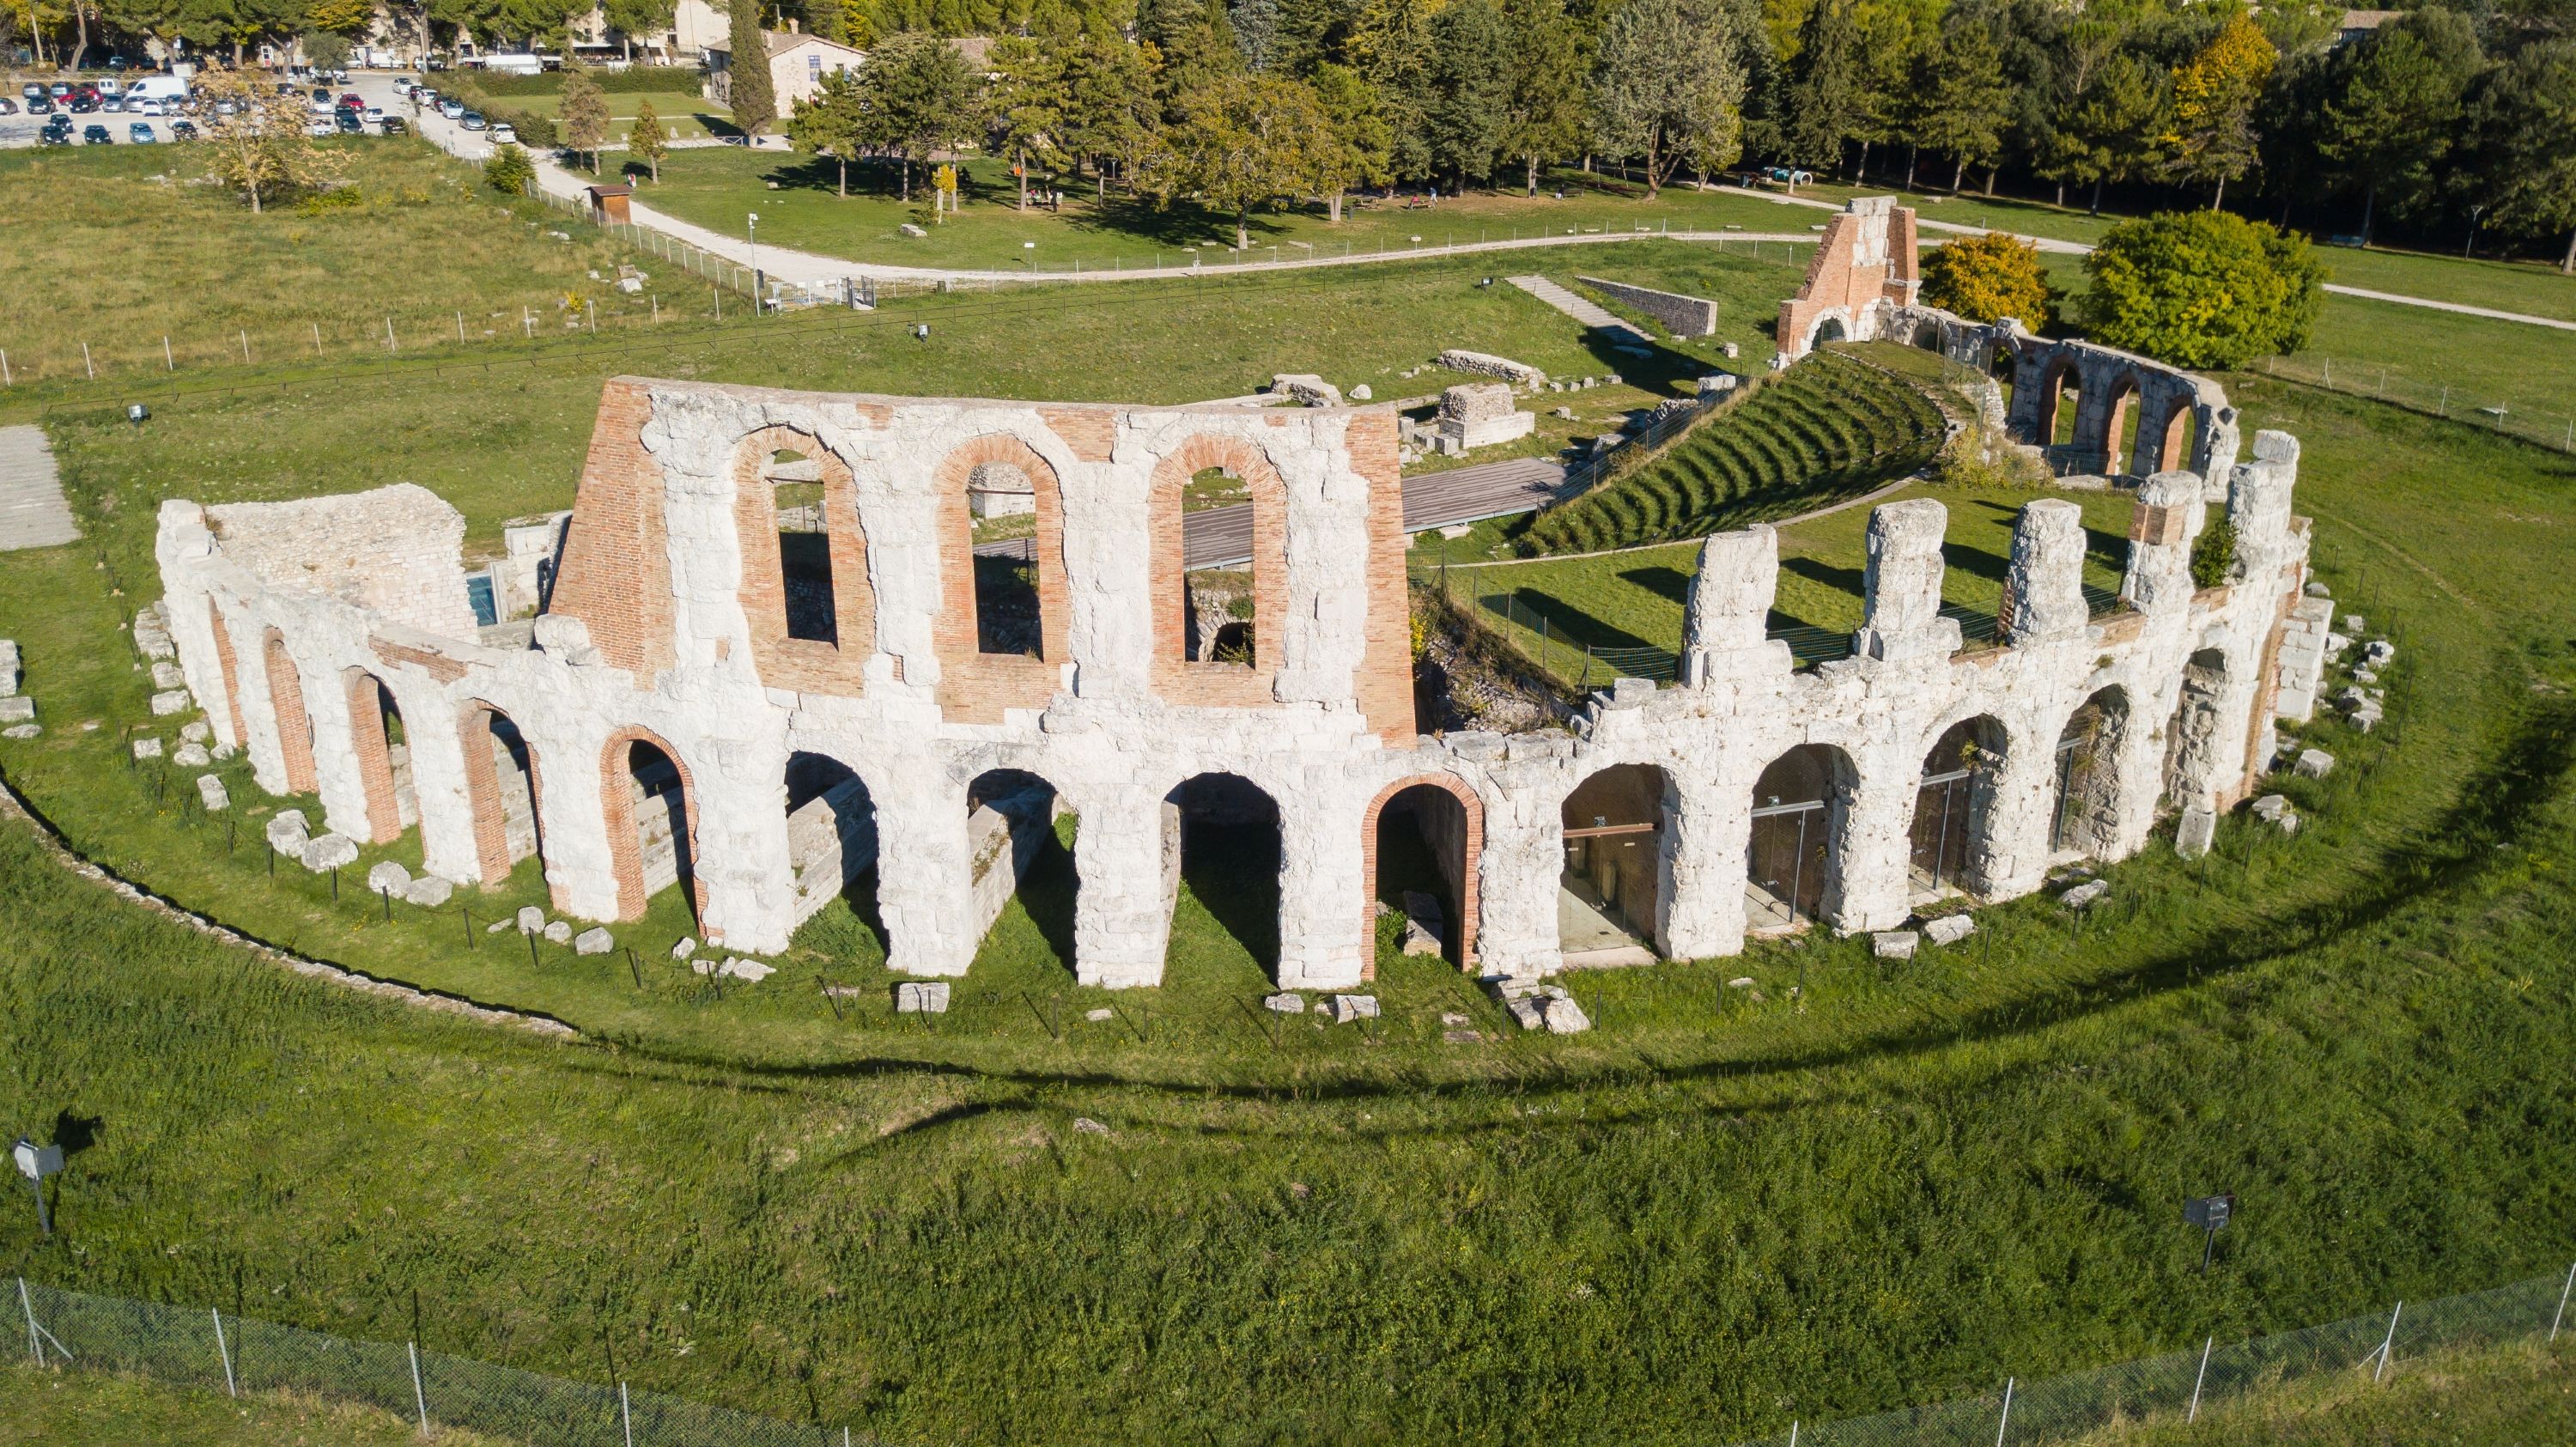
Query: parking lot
[22, 130]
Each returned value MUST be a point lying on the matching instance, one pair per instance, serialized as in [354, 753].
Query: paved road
[1221, 537]
[33, 511]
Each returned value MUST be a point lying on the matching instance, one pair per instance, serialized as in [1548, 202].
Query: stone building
[680, 719]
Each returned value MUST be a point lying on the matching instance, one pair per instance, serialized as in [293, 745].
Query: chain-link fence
[2548, 421]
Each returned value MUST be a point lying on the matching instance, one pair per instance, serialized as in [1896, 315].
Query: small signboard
[2208, 1212]
[36, 1162]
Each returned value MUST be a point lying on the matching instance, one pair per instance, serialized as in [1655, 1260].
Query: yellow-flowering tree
[2212, 137]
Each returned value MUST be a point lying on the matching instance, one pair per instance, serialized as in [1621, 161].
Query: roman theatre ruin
[766, 667]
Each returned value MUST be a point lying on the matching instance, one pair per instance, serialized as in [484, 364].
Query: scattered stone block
[558, 932]
[1362, 393]
[2085, 895]
[909, 229]
[1085, 1125]
[1286, 1002]
[2313, 764]
[167, 675]
[224, 751]
[2377, 653]
[1530, 1012]
[197, 731]
[532, 920]
[752, 972]
[593, 941]
[685, 948]
[1101, 1016]
[1452, 1017]
[431, 892]
[2195, 832]
[288, 833]
[1564, 1017]
[388, 878]
[1485, 364]
[21, 731]
[191, 756]
[1480, 414]
[921, 997]
[2355, 623]
[17, 710]
[147, 748]
[2319, 590]
[1740, 982]
[2336, 643]
[170, 701]
[12, 673]
[1306, 388]
[1347, 1008]
[1895, 944]
[1732, 350]
[330, 851]
[1949, 929]
[211, 793]
[496, 926]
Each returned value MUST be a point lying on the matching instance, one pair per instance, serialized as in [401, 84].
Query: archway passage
[832, 845]
[1015, 850]
[1421, 843]
[1829, 329]
[1792, 865]
[501, 789]
[2120, 426]
[1221, 839]
[1952, 806]
[2191, 743]
[652, 821]
[2061, 403]
[286, 706]
[2086, 820]
[2174, 447]
[1610, 890]
[383, 752]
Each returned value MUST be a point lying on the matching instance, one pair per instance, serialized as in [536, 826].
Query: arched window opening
[1222, 849]
[1017, 849]
[2181, 439]
[1830, 329]
[832, 851]
[1610, 890]
[2086, 821]
[286, 705]
[383, 753]
[1422, 846]
[665, 852]
[1002, 508]
[1219, 601]
[804, 545]
[1952, 806]
[2061, 401]
[1792, 864]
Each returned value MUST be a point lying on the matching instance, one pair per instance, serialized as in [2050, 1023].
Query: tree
[919, 98]
[1990, 277]
[2112, 132]
[508, 170]
[1028, 104]
[2202, 289]
[832, 122]
[261, 149]
[1965, 98]
[1544, 111]
[1669, 86]
[1361, 143]
[1893, 34]
[1391, 47]
[2526, 127]
[1467, 110]
[2210, 134]
[630, 18]
[1109, 102]
[1241, 141]
[646, 141]
[748, 92]
[1824, 102]
[584, 116]
[2398, 109]
[328, 49]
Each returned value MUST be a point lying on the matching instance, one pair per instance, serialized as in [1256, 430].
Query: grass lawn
[98, 1409]
[714, 188]
[686, 115]
[119, 247]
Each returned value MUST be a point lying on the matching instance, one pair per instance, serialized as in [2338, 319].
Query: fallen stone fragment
[921, 997]
[388, 878]
[171, 701]
[330, 851]
[1100, 1016]
[288, 833]
[532, 920]
[167, 675]
[1740, 982]
[1087, 1126]
[197, 731]
[1949, 929]
[17, 710]
[1347, 1008]
[558, 932]
[2313, 764]
[430, 892]
[1286, 1002]
[1895, 944]
[593, 941]
[1564, 1017]
[147, 748]
[685, 948]
[210, 792]
[21, 731]
[2086, 895]
[191, 756]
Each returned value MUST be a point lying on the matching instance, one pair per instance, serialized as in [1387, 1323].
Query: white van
[157, 87]
[521, 64]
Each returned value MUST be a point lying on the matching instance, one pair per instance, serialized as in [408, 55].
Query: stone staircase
[33, 511]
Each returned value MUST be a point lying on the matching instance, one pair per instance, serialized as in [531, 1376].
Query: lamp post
[751, 224]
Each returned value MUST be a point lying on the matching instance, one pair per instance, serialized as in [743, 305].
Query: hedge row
[534, 128]
[682, 79]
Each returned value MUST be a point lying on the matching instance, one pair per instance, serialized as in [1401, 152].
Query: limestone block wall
[1683, 315]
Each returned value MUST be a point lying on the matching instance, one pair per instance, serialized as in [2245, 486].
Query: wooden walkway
[33, 511]
[1221, 537]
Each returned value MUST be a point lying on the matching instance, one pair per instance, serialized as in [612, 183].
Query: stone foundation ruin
[672, 723]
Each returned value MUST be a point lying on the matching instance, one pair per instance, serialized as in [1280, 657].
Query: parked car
[110, 86]
[471, 120]
[353, 100]
[60, 90]
[53, 135]
[452, 109]
[96, 135]
[149, 108]
[32, 89]
[8, 107]
[284, 89]
[140, 134]
[80, 105]
[183, 129]
[42, 105]
[505, 134]
[112, 103]
[393, 126]
[349, 124]
[375, 113]
[321, 128]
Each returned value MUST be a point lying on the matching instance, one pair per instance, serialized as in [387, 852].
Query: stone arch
[2192, 739]
[502, 788]
[2086, 774]
[1228, 815]
[632, 785]
[1617, 873]
[832, 839]
[1010, 831]
[383, 756]
[286, 709]
[1951, 838]
[1179, 679]
[2120, 407]
[1458, 818]
[1834, 325]
[975, 685]
[235, 729]
[2054, 412]
[2169, 444]
[804, 589]
[1801, 816]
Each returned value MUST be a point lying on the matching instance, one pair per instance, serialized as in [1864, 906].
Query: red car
[352, 100]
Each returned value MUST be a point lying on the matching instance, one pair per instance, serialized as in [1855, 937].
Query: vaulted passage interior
[500, 788]
[1015, 852]
[1610, 892]
[383, 753]
[1952, 808]
[1793, 867]
[831, 838]
[652, 821]
[1421, 843]
[1221, 835]
[2086, 820]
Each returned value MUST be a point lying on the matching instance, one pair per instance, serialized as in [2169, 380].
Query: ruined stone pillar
[572, 818]
[1709, 822]
[2168, 516]
[1726, 628]
[1127, 856]
[1875, 845]
[2258, 508]
[2043, 598]
[745, 876]
[339, 772]
[431, 722]
[2010, 857]
[925, 880]
[1901, 618]
[1517, 933]
[1320, 947]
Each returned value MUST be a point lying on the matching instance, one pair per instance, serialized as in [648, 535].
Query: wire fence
[213, 1351]
[2549, 424]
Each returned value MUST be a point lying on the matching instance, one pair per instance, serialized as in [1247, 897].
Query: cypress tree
[754, 103]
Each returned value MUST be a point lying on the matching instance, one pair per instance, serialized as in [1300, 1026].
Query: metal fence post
[419, 1398]
[2005, 1421]
[2194, 1414]
[625, 1415]
[225, 1351]
[34, 1347]
[2561, 1314]
[2389, 1344]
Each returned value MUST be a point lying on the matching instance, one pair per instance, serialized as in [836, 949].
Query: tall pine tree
[748, 92]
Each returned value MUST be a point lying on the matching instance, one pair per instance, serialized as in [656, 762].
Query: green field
[685, 115]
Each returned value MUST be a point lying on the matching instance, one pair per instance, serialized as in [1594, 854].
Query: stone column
[744, 873]
[1517, 886]
[2258, 508]
[2012, 857]
[2168, 516]
[1901, 618]
[1319, 875]
[2138, 755]
[1875, 844]
[1708, 815]
[2044, 587]
[338, 772]
[1126, 855]
[1726, 629]
[925, 884]
[572, 820]
[431, 724]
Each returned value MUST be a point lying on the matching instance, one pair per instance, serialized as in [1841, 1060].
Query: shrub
[2213, 554]
[2202, 289]
[1978, 456]
[634, 80]
[1987, 278]
[509, 171]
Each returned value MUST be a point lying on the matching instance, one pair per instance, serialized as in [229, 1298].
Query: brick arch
[235, 726]
[2053, 372]
[2171, 436]
[2124, 393]
[626, 859]
[483, 791]
[368, 742]
[1177, 680]
[286, 709]
[805, 664]
[975, 686]
[1465, 933]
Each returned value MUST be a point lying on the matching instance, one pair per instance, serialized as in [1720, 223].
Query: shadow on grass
[1567, 623]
